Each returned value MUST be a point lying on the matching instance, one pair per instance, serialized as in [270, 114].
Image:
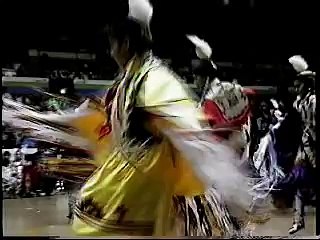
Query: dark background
[245, 31]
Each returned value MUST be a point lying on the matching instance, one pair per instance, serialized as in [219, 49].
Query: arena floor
[46, 216]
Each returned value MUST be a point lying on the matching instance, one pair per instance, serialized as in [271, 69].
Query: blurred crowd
[22, 174]
[84, 71]
[24, 166]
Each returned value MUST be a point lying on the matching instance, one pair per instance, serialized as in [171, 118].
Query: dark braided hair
[133, 30]
[204, 68]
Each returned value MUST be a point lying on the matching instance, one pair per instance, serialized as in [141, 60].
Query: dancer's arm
[76, 128]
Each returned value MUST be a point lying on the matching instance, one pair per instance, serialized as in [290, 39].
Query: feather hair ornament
[203, 49]
[142, 11]
[298, 63]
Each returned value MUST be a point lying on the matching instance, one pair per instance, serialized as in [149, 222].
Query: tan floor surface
[46, 216]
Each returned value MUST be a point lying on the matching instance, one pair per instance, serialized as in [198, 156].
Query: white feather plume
[141, 10]
[203, 49]
[215, 164]
[298, 63]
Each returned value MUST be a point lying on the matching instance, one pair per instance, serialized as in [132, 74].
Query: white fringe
[215, 164]
[21, 116]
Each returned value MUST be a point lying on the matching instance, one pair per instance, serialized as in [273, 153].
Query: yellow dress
[123, 198]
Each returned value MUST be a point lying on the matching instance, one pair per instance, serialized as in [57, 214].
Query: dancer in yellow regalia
[145, 169]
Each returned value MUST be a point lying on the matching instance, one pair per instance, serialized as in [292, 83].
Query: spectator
[31, 175]
[6, 159]
[8, 140]
[264, 120]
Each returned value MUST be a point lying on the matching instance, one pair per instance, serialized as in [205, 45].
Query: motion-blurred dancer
[149, 110]
[306, 158]
[225, 104]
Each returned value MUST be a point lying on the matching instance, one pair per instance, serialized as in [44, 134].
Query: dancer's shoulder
[161, 86]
